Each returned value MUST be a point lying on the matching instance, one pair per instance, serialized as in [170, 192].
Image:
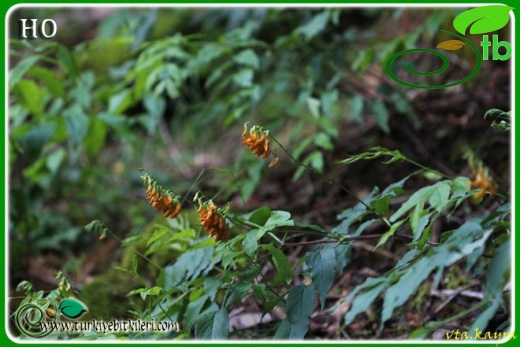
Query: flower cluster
[257, 139]
[484, 182]
[161, 199]
[212, 219]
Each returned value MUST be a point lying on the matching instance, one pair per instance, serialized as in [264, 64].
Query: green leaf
[119, 102]
[16, 73]
[316, 25]
[185, 234]
[356, 106]
[277, 219]
[157, 234]
[399, 292]
[322, 265]
[55, 159]
[323, 140]
[248, 58]
[213, 325]
[390, 232]
[95, 138]
[251, 240]
[378, 108]
[440, 195]
[418, 197]
[193, 312]
[260, 216]
[77, 124]
[72, 308]
[244, 78]
[282, 265]
[498, 270]
[50, 79]
[364, 300]
[250, 273]
[327, 101]
[299, 307]
[30, 96]
[67, 61]
[485, 19]
[482, 321]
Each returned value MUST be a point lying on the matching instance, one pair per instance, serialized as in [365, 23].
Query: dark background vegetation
[315, 78]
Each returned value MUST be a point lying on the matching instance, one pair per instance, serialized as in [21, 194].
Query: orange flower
[257, 140]
[484, 182]
[161, 200]
[212, 219]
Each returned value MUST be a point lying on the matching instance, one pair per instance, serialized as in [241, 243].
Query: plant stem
[331, 180]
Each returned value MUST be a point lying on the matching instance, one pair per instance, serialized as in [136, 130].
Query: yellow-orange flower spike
[257, 140]
[160, 199]
[484, 182]
[212, 221]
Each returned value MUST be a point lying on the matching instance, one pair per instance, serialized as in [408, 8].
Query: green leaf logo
[485, 19]
[72, 308]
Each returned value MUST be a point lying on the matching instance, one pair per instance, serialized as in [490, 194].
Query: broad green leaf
[145, 292]
[55, 159]
[400, 291]
[249, 274]
[244, 78]
[251, 240]
[322, 265]
[314, 107]
[72, 308]
[363, 301]
[419, 196]
[67, 61]
[380, 113]
[282, 265]
[247, 57]
[185, 234]
[482, 321]
[16, 73]
[213, 325]
[95, 138]
[277, 219]
[498, 270]
[77, 124]
[327, 101]
[439, 196]
[389, 233]
[157, 234]
[260, 216]
[482, 20]
[356, 106]
[381, 203]
[193, 312]
[316, 25]
[299, 307]
[50, 79]
[119, 102]
[30, 96]
[323, 140]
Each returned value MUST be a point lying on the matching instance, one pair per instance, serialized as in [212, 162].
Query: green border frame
[6, 5]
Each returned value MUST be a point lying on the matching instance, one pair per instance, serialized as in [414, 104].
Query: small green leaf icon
[485, 19]
[451, 45]
[72, 308]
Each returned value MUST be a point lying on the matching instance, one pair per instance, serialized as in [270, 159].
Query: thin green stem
[331, 180]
